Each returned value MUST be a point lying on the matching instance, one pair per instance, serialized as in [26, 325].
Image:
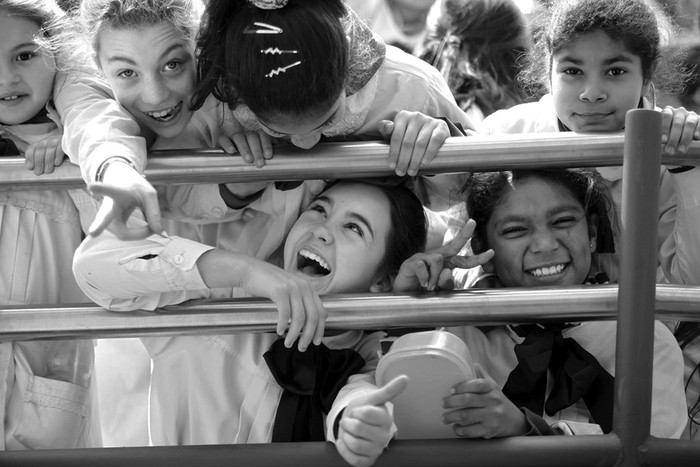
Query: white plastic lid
[434, 362]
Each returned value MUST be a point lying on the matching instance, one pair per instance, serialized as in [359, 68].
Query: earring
[592, 245]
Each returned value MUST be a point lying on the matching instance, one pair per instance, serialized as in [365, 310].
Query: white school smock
[494, 350]
[680, 252]
[540, 117]
[225, 391]
[203, 389]
[39, 231]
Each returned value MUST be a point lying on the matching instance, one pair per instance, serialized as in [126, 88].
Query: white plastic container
[434, 361]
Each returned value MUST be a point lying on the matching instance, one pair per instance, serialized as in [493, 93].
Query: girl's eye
[274, 133]
[571, 71]
[565, 222]
[25, 56]
[126, 73]
[355, 228]
[332, 121]
[172, 65]
[513, 231]
[616, 72]
[319, 209]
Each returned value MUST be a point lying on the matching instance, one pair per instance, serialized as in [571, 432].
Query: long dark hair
[477, 44]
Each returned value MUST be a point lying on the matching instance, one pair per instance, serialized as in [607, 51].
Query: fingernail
[392, 165]
[400, 173]
[664, 138]
[681, 148]
[412, 173]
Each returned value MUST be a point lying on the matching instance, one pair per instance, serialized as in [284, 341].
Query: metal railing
[639, 301]
[354, 160]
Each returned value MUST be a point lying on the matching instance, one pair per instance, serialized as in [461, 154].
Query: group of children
[248, 75]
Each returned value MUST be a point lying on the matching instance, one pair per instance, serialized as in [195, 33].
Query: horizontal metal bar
[362, 311]
[675, 452]
[544, 451]
[353, 160]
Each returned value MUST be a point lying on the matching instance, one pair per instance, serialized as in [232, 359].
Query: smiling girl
[543, 227]
[352, 238]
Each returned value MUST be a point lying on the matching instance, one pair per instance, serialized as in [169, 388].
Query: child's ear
[381, 285]
[593, 232]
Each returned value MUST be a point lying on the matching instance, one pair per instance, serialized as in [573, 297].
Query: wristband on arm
[99, 176]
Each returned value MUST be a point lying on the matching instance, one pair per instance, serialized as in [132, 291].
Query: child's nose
[543, 242]
[306, 141]
[8, 75]
[593, 91]
[154, 92]
[323, 233]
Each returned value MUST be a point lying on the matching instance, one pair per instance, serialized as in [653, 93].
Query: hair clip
[282, 69]
[276, 51]
[268, 4]
[263, 28]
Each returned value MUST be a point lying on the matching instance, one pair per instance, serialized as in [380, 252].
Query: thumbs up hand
[365, 427]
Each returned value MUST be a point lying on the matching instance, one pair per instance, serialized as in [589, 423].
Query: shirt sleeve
[95, 126]
[145, 274]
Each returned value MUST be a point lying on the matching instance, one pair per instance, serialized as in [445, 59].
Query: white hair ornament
[268, 4]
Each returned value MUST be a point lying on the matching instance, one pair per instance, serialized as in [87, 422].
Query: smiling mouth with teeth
[548, 271]
[10, 98]
[164, 115]
[312, 264]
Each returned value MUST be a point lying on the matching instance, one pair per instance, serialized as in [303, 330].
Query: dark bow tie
[577, 375]
[311, 381]
[8, 147]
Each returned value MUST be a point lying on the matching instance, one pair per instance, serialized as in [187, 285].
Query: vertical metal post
[636, 297]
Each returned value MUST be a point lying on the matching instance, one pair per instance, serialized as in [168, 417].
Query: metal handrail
[358, 311]
[354, 160]
[544, 451]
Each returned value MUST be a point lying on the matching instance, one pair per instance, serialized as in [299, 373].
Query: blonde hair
[184, 15]
[92, 16]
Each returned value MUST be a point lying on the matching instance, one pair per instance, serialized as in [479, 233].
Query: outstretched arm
[160, 271]
[99, 135]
